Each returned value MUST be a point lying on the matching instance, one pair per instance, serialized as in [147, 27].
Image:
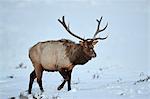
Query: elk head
[86, 44]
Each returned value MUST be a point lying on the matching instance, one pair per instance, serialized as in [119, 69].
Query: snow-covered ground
[104, 83]
[121, 69]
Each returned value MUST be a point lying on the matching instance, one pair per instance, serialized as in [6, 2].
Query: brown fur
[58, 55]
[61, 55]
[75, 52]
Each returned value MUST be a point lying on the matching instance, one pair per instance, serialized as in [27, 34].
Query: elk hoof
[60, 87]
[69, 89]
[29, 91]
[42, 90]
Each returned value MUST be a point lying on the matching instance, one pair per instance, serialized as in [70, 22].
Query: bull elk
[62, 55]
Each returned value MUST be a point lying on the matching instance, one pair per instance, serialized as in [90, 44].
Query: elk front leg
[64, 74]
[69, 80]
[67, 77]
[61, 86]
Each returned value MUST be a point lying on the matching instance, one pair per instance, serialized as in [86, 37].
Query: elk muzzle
[93, 55]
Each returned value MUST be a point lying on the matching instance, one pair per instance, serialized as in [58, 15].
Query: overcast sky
[23, 23]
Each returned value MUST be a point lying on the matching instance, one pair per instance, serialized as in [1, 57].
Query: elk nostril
[94, 55]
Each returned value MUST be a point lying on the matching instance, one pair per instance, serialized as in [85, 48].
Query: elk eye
[91, 50]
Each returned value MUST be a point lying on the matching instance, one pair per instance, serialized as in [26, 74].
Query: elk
[62, 55]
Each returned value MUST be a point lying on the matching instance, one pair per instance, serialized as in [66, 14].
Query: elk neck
[76, 54]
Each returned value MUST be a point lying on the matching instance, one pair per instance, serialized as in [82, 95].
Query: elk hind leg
[32, 77]
[39, 73]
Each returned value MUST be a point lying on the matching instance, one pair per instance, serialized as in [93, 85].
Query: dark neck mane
[76, 55]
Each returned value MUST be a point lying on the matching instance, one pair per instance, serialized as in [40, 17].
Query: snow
[122, 64]
[105, 86]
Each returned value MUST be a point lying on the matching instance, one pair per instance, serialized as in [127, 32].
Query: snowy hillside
[121, 69]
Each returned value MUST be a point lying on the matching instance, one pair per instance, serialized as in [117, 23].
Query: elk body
[61, 55]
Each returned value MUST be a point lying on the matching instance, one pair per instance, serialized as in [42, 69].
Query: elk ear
[94, 42]
[81, 43]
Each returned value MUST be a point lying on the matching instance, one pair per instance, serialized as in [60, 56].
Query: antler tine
[98, 27]
[67, 28]
[98, 38]
[99, 21]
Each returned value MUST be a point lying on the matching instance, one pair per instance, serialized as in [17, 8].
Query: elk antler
[67, 28]
[99, 30]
